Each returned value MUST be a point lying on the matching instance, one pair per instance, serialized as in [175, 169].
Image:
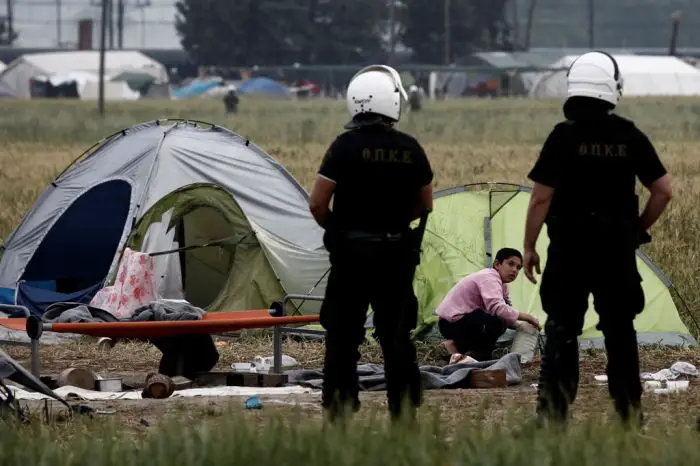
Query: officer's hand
[644, 238]
[531, 259]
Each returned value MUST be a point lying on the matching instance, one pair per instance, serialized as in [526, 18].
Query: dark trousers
[577, 267]
[186, 355]
[381, 275]
[476, 332]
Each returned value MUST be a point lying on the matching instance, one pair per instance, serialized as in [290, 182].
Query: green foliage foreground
[232, 439]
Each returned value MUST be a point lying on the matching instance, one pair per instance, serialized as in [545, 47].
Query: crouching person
[477, 311]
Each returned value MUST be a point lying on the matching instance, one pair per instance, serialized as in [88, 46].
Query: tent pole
[487, 240]
[101, 88]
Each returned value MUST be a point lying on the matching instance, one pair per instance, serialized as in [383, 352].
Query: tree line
[284, 32]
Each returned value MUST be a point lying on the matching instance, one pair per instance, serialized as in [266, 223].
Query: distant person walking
[231, 100]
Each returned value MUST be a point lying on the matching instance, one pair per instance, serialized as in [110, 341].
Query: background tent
[197, 87]
[263, 86]
[469, 224]
[18, 73]
[5, 91]
[644, 75]
[159, 187]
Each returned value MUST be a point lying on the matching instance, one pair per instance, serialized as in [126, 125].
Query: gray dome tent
[232, 226]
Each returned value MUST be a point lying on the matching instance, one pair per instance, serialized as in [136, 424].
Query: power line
[152, 6]
[37, 22]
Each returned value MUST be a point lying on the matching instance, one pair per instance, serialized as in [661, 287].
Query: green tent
[469, 224]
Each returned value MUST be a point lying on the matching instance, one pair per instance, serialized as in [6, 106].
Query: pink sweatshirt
[483, 289]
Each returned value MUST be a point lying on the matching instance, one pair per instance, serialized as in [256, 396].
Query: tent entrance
[78, 250]
[205, 251]
[208, 245]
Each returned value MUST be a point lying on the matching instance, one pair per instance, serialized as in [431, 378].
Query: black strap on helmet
[616, 68]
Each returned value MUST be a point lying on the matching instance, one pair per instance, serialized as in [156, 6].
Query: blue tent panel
[38, 299]
[80, 247]
[7, 296]
[196, 88]
[263, 86]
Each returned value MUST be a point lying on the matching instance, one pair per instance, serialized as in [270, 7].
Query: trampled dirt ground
[131, 362]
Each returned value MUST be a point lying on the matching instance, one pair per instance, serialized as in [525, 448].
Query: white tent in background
[644, 75]
[18, 73]
[88, 86]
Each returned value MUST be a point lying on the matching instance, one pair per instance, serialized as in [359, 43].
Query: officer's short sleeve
[648, 165]
[331, 168]
[424, 172]
[547, 170]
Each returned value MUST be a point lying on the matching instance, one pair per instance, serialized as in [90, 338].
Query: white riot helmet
[596, 75]
[376, 89]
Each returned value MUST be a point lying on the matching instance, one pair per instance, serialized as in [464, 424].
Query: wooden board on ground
[240, 379]
[488, 378]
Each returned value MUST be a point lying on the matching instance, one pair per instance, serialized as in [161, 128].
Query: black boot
[559, 375]
[624, 384]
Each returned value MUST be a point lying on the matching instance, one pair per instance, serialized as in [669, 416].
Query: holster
[601, 225]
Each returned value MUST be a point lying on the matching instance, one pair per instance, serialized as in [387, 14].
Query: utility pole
[675, 25]
[392, 30]
[59, 40]
[120, 24]
[447, 32]
[10, 23]
[530, 22]
[110, 22]
[591, 24]
[103, 34]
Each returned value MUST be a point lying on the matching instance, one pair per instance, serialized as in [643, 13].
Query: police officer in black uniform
[585, 193]
[381, 180]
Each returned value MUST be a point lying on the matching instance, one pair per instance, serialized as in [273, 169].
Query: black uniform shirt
[378, 172]
[593, 165]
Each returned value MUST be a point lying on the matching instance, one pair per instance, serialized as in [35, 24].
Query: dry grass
[467, 141]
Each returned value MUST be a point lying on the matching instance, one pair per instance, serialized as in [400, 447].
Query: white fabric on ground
[93, 395]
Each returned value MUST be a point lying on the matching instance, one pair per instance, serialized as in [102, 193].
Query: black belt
[372, 237]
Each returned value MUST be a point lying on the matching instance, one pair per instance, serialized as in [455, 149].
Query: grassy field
[467, 141]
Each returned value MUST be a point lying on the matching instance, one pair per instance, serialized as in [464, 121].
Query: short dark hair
[506, 253]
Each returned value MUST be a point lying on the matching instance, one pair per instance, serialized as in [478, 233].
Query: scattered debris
[77, 377]
[666, 386]
[105, 411]
[108, 385]
[105, 343]
[158, 386]
[253, 403]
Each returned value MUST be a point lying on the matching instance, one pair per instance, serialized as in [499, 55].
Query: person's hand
[533, 320]
[531, 259]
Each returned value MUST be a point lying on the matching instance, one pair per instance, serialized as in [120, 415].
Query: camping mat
[92, 395]
[372, 376]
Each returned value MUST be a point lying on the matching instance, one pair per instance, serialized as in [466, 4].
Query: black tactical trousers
[575, 269]
[380, 275]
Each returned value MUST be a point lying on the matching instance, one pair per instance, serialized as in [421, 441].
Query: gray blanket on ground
[454, 376]
[162, 309]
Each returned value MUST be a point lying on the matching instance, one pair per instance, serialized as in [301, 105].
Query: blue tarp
[263, 85]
